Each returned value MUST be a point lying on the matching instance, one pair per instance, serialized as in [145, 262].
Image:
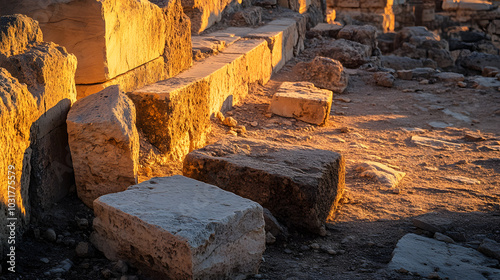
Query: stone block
[18, 111]
[212, 85]
[472, 5]
[365, 34]
[324, 30]
[374, 3]
[301, 186]
[94, 31]
[325, 73]
[347, 3]
[351, 54]
[251, 16]
[180, 228]
[48, 70]
[282, 37]
[104, 144]
[303, 101]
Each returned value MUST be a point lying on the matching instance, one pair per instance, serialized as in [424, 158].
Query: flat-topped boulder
[325, 73]
[301, 186]
[303, 101]
[180, 228]
[104, 144]
[106, 47]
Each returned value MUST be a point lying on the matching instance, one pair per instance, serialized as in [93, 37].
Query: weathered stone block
[191, 97]
[204, 14]
[104, 144]
[303, 101]
[300, 186]
[324, 72]
[95, 32]
[365, 34]
[18, 111]
[180, 228]
[48, 70]
[351, 54]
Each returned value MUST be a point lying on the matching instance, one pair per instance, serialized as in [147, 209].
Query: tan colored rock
[301, 186]
[17, 32]
[191, 97]
[384, 174]
[18, 111]
[95, 32]
[48, 70]
[104, 144]
[351, 54]
[303, 101]
[179, 228]
[324, 73]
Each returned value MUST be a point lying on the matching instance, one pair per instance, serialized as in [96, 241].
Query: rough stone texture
[180, 228]
[477, 61]
[251, 16]
[418, 42]
[300, 6]
[384, 79]
[301, 186]
[400, 63]
[104, 46]
[303, 101]
[490, 248]
[380, 172]
[49, 71]
[351, 54]
[104, 144]
[324, 30]
[432, 223]
[324, 72]
[364, 34]
[473, 5]
[18, 111]
[450, 77]
[204, 14]
[427, 257]
[190, 98]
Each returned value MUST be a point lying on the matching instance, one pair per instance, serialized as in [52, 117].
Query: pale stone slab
[380, 172]
[180, 228]
[18, 110]
[104, 144]
[473, 5]
[303, 101]
[428, 257]
[301, 186]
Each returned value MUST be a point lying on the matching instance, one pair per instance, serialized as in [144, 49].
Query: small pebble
[315, 246]
[44, 260]
[50, 235]
[288, 251]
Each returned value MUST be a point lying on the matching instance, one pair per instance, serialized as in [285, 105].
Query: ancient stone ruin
[126, 111]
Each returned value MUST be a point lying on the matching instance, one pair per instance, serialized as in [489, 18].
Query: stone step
[174, 114]
[180, 228]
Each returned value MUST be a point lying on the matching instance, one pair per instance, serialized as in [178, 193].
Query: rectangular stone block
[180, 228]
[282, 37]
[373, 3]
[104, 144]
[211, 85]
[347, 3]
[300, 186]
[95, 31]
[302, 101]
[205, 13]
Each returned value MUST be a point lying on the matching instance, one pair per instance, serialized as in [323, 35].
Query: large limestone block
[324, 72]
[303, 101]
[365, 34]
[108, 37]
[180, 228]
[175, 114]
[48, 70]
[301, 186]
[104, 144]
[18, 110]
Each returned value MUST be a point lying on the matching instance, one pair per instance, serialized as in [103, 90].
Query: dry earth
[367, 122]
